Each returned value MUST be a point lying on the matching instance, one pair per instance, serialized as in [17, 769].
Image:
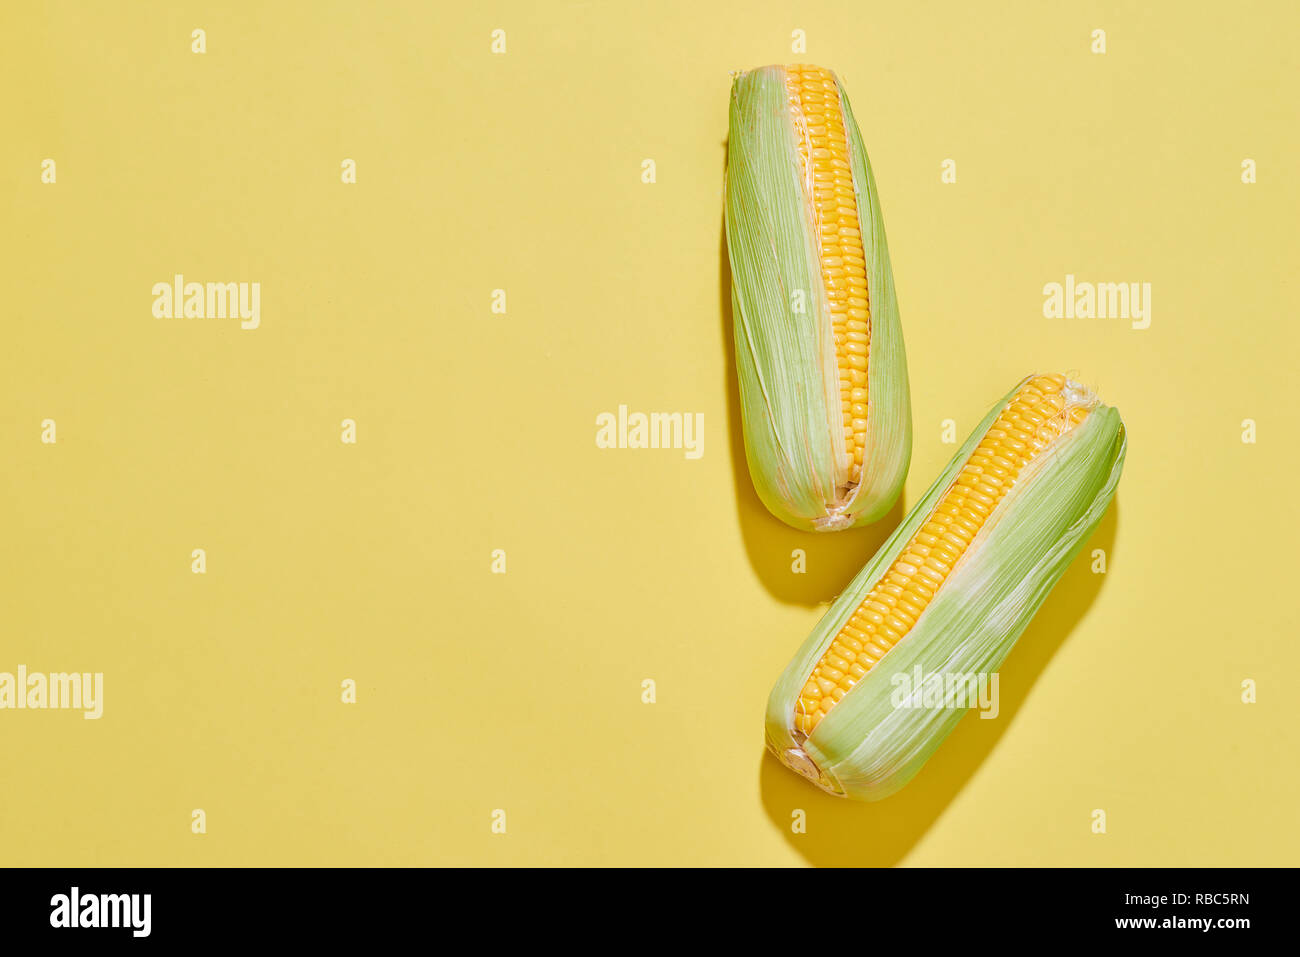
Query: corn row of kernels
[828, 179]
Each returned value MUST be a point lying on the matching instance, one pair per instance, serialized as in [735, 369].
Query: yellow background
[476, 431]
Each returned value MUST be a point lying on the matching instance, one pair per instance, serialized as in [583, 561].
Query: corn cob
[819, 350]
[951, 590]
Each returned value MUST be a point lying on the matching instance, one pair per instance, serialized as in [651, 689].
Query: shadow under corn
[844, 833]
[832, 558]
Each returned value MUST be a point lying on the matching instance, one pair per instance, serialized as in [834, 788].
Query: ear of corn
[819, 348]
[950, 591]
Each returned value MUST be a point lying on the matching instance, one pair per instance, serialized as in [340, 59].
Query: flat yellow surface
[475, 431]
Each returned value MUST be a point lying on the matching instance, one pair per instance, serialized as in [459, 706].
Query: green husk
[866, 748]
[788, 406]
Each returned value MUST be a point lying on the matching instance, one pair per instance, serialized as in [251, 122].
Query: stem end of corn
[798, 761]
[832, 523]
